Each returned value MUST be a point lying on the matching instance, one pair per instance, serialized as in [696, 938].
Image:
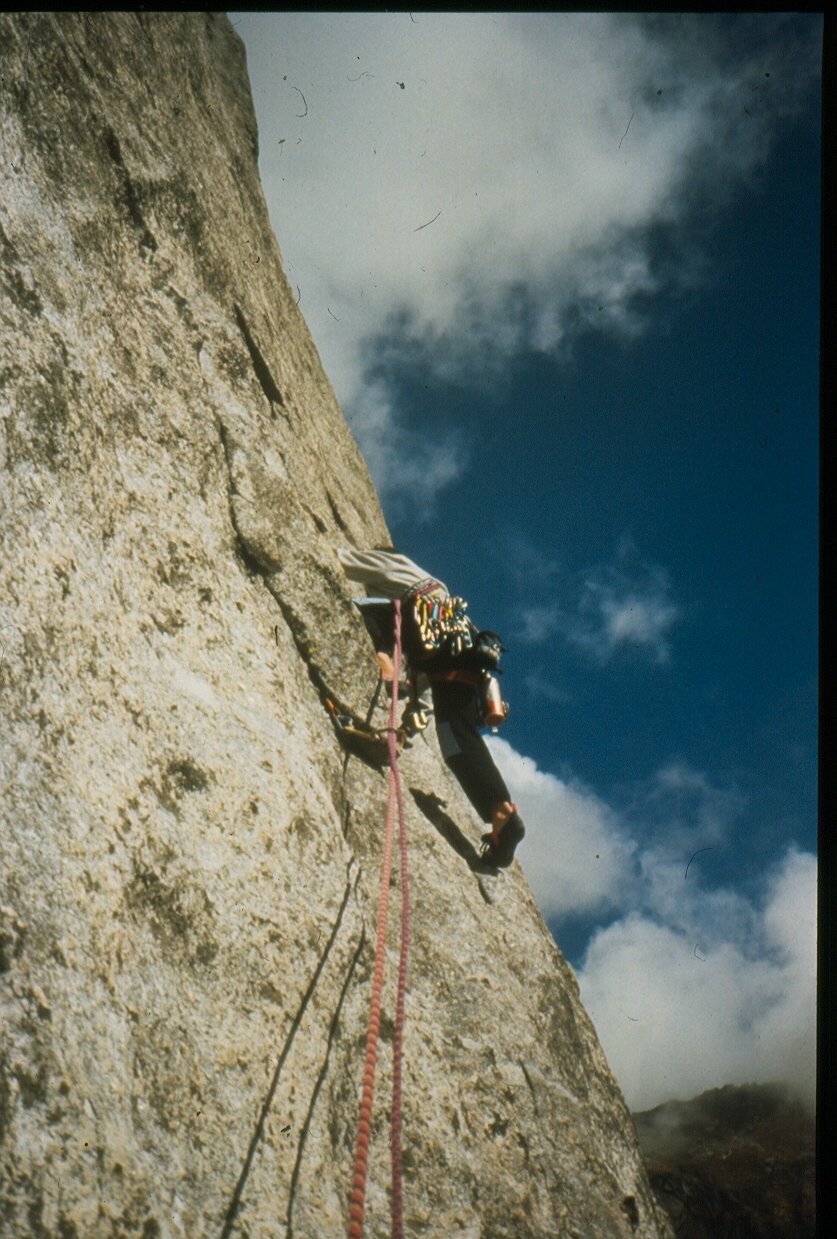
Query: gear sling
[445, 647]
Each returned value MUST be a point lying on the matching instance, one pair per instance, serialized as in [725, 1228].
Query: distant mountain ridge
[737, 1162]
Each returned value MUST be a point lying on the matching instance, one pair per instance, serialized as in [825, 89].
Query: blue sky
[563, 272]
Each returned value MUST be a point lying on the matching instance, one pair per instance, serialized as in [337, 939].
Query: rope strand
[364, 1131]
[397, 1206]
[398, 1035]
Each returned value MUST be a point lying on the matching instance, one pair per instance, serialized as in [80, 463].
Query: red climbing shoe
[499, 847]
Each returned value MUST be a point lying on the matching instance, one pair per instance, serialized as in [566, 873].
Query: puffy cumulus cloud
[680, 1007]
[673, 894]
[690, 986]
[684, 808]
[576, 856]
[470, 184]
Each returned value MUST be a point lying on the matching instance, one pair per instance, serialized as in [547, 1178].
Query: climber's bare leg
[500, 814]
[386, 665]
[500, 845]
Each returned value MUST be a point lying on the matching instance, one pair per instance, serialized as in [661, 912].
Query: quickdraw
[441, 621]
[370, 744]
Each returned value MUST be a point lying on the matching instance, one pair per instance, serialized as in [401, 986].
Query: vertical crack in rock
[262, 370]
[319, 525]
[347, 813]
[258, 564]
[332, 1031]
[529, 1081]
[235, 1201]
[336, 513]
[300, 638]
[631, 1211]
[129, 196]
[256, 561]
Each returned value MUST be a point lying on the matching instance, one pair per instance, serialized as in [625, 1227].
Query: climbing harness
[454, 675]
[361, 1165]
[493, 710]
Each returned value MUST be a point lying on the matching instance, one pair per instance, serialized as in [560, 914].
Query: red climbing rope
[401, 989]
[395, 797]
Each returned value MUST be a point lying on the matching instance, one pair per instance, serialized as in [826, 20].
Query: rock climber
[451, 656]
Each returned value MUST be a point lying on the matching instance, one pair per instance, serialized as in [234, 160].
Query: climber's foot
[499, 846]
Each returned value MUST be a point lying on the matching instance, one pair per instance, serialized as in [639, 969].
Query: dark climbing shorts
[457, 712]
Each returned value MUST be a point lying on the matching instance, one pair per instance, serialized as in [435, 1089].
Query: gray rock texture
[188, 860]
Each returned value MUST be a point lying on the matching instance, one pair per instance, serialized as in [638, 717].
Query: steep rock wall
[188, 860]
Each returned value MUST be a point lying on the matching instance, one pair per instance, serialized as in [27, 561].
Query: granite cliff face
[188, 860]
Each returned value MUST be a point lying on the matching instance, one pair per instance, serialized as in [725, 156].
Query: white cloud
[469, 184]
[682, 807]
[623, 605]
[691, 986]
[576, 856]
[538, 623]
[627, 605]
[394, 450]
[527, 563]
[637, 621]
[679, 1012]
[539, 683]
